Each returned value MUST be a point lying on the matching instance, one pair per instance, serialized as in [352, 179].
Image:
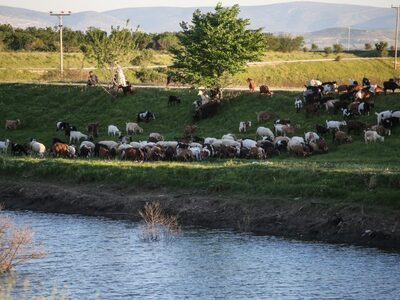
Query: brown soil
[292, 218]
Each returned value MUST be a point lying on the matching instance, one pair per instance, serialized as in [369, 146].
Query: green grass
[279, 75]
[344, 174]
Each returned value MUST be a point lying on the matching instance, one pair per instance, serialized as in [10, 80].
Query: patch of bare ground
[305, 219]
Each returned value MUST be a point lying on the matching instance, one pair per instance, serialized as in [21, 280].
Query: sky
[103, 5]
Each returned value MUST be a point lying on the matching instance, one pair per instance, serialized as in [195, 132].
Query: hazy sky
[102, 5]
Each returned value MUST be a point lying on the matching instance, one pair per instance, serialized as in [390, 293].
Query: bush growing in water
[16, 244]
[156, 224]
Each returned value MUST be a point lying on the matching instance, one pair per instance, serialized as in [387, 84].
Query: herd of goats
[349, 100]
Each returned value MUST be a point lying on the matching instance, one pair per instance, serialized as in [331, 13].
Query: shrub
[328, 50]
[157, 224]
[16, 244]
[381, 49]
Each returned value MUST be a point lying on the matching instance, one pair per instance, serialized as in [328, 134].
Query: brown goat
[12, 124]
[60, 149]
[263, 116]
[341, 137]
[93, 129]
[134, 154]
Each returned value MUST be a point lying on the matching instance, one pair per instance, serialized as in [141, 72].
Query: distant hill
[358, 37]
[295, 17]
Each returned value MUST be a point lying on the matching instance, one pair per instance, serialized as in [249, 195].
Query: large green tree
[215, 46]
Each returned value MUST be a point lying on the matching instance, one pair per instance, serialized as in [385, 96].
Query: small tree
[381, 49]
[337, 48]
[314, 47]
[328, 50]
[215, 46]
[368, 46]
[106, 50]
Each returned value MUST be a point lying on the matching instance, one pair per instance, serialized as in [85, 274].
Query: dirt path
[295, 218]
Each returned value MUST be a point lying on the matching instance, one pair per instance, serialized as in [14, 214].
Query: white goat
[113, 131]
[75, 136]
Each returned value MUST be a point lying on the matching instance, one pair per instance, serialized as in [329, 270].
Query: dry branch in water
[157, 224]
[16, 244]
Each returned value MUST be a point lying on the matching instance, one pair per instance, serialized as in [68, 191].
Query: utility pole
[397, 34]
[348, 40]
[60, 16]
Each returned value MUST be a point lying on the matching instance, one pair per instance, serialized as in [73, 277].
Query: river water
[98, 258]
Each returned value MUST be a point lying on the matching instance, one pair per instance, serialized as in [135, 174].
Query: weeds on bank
[156, 224]
[16, 244]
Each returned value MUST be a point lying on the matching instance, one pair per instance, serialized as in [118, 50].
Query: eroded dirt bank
[292, 218]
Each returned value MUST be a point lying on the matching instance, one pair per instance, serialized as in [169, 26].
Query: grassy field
[352, 172]
[279, 75]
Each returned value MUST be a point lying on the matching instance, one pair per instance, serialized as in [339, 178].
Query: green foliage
[328, 50]
[106, 50]
[165, 41]
[381, 49]
[314, 47]
[337, 48]
[216, 45]
[368, 46]
[284, 43]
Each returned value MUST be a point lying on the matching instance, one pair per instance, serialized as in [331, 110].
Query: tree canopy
[216, 45]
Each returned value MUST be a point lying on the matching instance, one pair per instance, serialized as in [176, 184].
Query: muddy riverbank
[319, 220]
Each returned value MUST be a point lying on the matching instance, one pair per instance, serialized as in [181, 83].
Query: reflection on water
[96, 258]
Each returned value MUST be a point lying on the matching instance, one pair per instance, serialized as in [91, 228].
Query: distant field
[278, 75]
[352, 172]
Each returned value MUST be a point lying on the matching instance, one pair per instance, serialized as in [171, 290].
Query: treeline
[47, 39]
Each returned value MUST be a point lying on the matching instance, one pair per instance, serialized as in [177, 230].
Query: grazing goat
[244, 125]
[133, 128]
[75, 136]
[263, 116]
[341, 137]
[383, 115]
[321, 130]
[311, 137]
[37, 148]
[145, 116]
[18, 149]
[372, 136]
[113, 131]
[12, 124]
[381, 130]
[93, 129]
[60, 149]
[4, 145]
[155, 137]
[335, 124]
[285, 129]
[264, 90]
[265, 132]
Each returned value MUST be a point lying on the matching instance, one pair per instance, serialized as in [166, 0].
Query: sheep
[209, 140]
[372, 136]
[133, 128]
[248, 144]
[229, 136]
[264, 132]
[342, 137]
[76, 136]
[335, 124]
[155, 137]
[87, 144]
[311, 137]
[297, 140]
[244, 125]
[4, 145]
[37, 147]
[109, 144]
[113, 131]
[12, 124]
[297, 149]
